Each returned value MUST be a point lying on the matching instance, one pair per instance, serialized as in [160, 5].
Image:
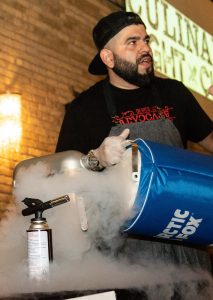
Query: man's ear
[107, 57]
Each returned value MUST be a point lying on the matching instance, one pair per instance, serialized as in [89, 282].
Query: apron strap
[111, 108]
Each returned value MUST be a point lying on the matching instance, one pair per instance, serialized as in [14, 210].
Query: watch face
[92, 160]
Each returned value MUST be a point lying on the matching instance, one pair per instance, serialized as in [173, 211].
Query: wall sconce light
[10, 121]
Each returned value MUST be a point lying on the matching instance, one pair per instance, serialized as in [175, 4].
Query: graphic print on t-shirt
[144, 114]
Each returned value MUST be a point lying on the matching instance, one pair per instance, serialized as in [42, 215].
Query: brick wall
[46, 46]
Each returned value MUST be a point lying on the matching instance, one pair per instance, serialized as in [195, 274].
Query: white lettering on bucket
[181, 226]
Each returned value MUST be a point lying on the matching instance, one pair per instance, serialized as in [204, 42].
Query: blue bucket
[174, 199]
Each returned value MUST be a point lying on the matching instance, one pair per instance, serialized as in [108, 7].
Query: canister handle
[135, 175]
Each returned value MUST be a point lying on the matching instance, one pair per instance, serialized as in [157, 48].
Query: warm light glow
[10, 105]
[10, 121]
[10, 131]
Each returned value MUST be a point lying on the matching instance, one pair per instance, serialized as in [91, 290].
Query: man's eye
[147, 40]
[133, 42]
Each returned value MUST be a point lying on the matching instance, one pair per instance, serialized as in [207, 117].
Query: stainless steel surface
[57, 163]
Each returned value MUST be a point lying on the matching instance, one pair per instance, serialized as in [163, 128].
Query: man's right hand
[111, 150]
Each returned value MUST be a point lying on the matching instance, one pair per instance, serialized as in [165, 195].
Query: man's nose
[144, 47]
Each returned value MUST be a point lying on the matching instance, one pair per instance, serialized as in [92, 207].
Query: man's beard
[129, 71]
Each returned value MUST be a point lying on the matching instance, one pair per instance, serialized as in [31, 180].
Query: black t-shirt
[87, 120]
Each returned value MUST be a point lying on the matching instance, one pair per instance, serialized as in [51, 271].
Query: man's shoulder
[89, 96]
[173, 88]
[167, 82]
[91, 91]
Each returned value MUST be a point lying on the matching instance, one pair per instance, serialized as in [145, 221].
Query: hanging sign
[182, 49]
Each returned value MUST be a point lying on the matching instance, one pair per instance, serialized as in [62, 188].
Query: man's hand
[111, 150]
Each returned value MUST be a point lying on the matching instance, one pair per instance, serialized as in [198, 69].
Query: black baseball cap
[105, 29]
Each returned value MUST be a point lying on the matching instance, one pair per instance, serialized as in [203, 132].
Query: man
[162, 110]
[132, 102]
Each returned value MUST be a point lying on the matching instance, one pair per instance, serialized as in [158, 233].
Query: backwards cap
[105, 29]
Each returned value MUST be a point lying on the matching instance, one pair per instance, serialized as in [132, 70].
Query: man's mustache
[144, 57]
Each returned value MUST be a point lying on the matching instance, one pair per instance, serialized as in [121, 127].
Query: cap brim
[97, 67]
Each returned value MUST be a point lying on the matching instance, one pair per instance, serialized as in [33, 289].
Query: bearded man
[132, 102]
